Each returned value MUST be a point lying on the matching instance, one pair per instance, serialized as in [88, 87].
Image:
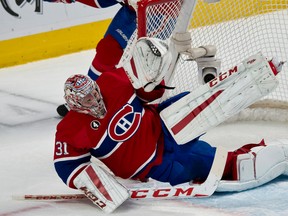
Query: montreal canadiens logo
[124, 124]
[95, 124]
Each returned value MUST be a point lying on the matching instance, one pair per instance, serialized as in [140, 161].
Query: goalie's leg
[221, 98]
[255, 164]
[183, 163]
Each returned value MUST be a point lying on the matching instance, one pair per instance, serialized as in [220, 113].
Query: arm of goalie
[101, 188]
[149, 63]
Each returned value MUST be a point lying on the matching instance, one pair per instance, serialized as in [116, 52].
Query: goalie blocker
[101, 188]
[221, 98]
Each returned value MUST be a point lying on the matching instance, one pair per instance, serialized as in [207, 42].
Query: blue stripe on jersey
[65, 167]
[93, 74]
[122, 130]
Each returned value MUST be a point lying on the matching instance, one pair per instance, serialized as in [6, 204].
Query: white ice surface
[29, 95]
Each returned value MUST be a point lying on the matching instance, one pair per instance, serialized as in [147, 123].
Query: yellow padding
[51, 44]
[227, 10]
[82, 37]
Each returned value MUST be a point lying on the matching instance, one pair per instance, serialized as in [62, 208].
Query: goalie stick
[156, 190]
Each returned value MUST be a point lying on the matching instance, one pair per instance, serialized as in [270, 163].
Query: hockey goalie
[112, 121]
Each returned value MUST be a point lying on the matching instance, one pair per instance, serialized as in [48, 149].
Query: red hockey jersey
[128, 140]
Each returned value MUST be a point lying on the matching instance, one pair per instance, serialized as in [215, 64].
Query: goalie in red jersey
[111, 121]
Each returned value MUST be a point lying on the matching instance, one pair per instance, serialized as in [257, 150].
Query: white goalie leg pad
[101, 188]
[261, 165]
[149, 64]
[221, 98]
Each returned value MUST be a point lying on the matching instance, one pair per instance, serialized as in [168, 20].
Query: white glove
[101, 188]
[149, 64]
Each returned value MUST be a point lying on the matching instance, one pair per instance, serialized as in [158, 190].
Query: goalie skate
[221, 98]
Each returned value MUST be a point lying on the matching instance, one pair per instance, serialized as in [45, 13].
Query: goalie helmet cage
[238, 29]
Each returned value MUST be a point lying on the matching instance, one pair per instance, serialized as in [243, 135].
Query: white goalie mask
[83, 95]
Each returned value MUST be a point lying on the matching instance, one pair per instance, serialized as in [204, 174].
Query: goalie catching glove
[101, 188]
[149, 63]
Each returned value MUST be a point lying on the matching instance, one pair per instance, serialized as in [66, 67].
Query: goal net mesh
[238, 29]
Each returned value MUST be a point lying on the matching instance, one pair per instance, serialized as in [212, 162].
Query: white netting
[238, 29]
[161, 19]
[255, 27]
[157, 19]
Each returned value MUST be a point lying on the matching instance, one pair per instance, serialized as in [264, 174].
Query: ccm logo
[93, 198]
[223, 76]
[160, 193]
